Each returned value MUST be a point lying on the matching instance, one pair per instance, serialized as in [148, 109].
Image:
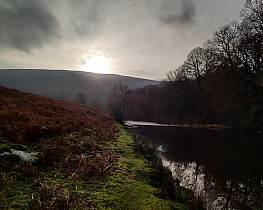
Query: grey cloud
[178, 12]
[26, 24]
[90, 20]
[90, 17]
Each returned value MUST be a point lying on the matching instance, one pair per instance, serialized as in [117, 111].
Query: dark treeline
[220, 82]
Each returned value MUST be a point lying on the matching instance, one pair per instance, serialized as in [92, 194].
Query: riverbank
[197, 125]
[111, 175]
[183, 125]
[132, 185]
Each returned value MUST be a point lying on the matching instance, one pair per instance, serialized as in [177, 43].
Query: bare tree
[178, 74]
[117, 101]
[195, 65]
[253, 12]
[251, 37]
[82, 98]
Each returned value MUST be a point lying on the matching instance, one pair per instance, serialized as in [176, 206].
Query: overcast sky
[141, 38]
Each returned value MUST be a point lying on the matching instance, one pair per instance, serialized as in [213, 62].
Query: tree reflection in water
[224, 168]
[215, 196]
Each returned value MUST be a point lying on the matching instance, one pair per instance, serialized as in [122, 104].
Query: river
[223, 167]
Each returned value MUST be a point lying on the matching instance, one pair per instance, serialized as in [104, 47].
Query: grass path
[127, 187]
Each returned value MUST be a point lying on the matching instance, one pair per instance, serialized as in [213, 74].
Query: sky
[140, 38]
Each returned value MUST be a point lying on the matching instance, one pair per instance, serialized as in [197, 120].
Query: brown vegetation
[26, 117]
[71, 142]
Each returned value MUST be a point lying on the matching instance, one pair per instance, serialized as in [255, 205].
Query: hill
[67, 85]
[61, 155]
[26, 117]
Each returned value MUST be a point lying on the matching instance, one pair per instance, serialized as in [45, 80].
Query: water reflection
[161, 149]
[224, 168]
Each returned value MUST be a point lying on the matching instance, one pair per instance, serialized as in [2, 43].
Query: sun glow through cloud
[97, 64]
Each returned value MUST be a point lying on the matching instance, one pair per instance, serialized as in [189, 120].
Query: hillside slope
[46, 144]
[61, 155]
[68, 84]
[26, 117]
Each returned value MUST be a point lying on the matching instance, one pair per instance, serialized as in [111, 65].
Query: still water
[224, 168]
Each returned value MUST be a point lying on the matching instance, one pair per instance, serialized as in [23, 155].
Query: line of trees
[220, 82]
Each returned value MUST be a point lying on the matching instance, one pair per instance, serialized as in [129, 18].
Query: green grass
[127, 186]
[5, 147]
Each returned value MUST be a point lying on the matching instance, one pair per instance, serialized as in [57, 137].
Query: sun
[97, 64]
